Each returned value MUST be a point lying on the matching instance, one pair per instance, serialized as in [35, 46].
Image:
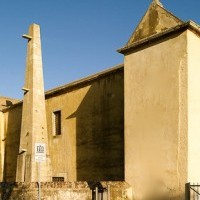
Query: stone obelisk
[34, 125]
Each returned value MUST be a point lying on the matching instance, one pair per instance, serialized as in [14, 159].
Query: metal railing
[192, 191]
[99, 192]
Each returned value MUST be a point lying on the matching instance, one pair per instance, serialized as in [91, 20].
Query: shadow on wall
[12, 143]
[9, 103]
[6, 190]
[100, 131]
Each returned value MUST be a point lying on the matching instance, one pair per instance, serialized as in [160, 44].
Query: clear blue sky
[79, 37]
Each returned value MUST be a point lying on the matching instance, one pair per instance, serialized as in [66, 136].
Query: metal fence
[99, 192]
[192, 191]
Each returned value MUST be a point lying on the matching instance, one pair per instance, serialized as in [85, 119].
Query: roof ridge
[156, 19]
[84, 79]
[156, 2]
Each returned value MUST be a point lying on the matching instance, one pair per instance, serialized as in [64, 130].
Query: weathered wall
[91, 145]
[193, 107]
[8, 137]
[11, 142]
[49, 191]
[5, 102]
[61, 190]
[155, 162]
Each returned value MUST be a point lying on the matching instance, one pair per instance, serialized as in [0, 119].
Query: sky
[79, 37]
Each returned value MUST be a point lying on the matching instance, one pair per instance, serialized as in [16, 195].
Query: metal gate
[192, 191]
[99, 192]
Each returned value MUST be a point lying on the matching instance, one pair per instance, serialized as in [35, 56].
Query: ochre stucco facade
[155, 158]
[70, 151]
[91, 141]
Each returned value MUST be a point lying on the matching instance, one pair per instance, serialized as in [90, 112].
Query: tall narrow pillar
[34, 126]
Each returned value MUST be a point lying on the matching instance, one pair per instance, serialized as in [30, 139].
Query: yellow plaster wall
[155, 135]
[193, 107]
[91, 146]
[12, 123]
[6, 102]
[63, 147]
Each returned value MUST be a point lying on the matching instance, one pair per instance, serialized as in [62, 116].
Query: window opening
[57, 122]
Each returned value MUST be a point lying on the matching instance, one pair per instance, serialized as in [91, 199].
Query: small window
[57, 122]
[58, 179]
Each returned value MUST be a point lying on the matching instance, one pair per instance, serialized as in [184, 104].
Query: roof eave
[83, 81]
[75, 84]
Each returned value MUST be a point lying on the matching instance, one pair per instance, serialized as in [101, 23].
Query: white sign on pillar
[40, 152]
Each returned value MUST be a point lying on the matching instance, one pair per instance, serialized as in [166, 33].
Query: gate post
[187, 191]
[108, 192]
[96, 193]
